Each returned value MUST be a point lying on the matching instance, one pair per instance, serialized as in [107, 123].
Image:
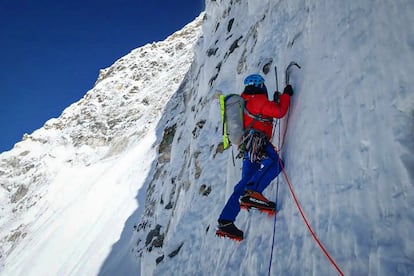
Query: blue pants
[255, 176]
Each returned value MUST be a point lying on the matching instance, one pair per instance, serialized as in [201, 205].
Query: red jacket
[259, 105]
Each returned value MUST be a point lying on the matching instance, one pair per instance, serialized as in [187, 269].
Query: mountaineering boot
[252, 199]
[227, 228]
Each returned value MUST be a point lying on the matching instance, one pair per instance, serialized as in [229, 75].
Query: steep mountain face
[348, 148]
[81, 152]
[137, 172]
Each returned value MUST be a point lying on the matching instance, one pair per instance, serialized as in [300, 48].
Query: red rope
[332, 261]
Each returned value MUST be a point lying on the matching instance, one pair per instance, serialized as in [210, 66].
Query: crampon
[269, 211]
[223, 234]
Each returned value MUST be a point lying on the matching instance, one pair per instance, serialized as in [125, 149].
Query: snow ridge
[64, 184]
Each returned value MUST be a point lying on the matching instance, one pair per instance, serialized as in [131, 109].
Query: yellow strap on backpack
[226, 142]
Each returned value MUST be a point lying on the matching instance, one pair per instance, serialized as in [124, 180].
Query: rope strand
[312, 232]
[275, 218]
[314, 236]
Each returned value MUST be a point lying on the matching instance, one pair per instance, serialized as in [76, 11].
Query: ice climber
[260, 159]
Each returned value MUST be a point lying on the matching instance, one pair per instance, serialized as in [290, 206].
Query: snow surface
[146, 200]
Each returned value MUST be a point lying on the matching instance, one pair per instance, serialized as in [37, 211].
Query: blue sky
[51, 51]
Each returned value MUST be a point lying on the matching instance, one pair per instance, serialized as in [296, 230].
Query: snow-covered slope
[348, 152]
[68, 189]
[348, 149]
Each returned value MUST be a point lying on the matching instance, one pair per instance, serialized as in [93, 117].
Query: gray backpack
[232, 109]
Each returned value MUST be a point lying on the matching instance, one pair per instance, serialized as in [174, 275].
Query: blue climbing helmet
[255, 80]
[254, 84]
